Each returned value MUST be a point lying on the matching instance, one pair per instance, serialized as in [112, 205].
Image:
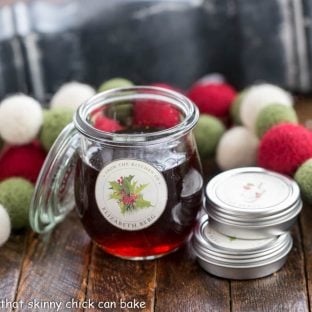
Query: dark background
[46, 43]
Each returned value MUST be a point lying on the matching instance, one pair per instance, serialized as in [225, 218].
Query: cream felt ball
[303, 177]
[5, 226]
[237, 148]
[71, 95]
[272, 115]
[20, 119]
[259, 96]
[15, 196]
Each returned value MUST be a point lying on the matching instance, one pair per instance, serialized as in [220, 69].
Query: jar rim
[184, 104]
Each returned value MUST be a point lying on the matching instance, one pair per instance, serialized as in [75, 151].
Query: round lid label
[131, 194]
[253, 190]
[232, 243]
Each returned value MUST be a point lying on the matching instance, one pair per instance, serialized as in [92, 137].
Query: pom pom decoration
[284, 148]
[106, 124]
[15, 196]
[235, 108]
[114, 83]
[155, 114]
[237, 148]
[22, 161]
[71, 95]
[213, 98]
[5, 226]
[20, 119]
[54, 121]
[207, 134]
[256, 98]
[272, 115]
[303, 177]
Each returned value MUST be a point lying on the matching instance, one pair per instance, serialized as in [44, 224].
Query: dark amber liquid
[168, 233]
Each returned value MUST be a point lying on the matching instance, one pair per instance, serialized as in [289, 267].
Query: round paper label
[253, 190]
[131, 194]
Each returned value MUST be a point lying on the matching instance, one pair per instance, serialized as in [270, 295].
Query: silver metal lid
[229, 257]
[252, 203]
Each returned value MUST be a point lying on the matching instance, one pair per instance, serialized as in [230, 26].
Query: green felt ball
[54, 121]
[115, 83]
[123, 111]
[303, 177]
[1, 144]
[272, 115]
[235, 108]
[15, 196]
[207, 134]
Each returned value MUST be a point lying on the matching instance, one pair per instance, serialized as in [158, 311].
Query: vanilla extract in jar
[133, 170]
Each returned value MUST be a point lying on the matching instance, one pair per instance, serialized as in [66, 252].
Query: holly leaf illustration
[140, 188]
[115, 195]
[142, 203]
[115, 186]
[127, 183]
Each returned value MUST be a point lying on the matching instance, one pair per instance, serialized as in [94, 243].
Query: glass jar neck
[132, 94]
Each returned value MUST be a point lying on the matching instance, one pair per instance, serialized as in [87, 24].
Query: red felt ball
[155, 114]
[22, 161]
[212, 98]
[284, 148]
[106, 124]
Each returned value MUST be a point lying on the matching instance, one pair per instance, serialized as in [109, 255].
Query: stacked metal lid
[251, 211]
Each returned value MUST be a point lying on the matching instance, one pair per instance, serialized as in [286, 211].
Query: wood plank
[305, 222]
[112, 280]
[55, 268]
[11, 256]
[183, 286]
[285, 290]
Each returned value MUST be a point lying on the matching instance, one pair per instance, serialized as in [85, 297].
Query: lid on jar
[53, 197]
[252, 191]
[233, 258]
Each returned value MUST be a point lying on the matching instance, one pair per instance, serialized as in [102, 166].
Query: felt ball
[5, 226]
[71, 95]
[259, 96]
[54, 121]
[303, 177]
[272, 115]
[213, 78]
[213, 98]
[284, 148]
[155, 114]
[208, 132]
[1, 144]
[237, 148]
[235, 107]
[15, 196]
[106, 124]
[20, 119]
[115, 83]
[22, 161]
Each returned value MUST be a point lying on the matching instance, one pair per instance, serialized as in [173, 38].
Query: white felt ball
[258, 97]
[21, 118]
[237, 148]
[71, 95]
[5, 226]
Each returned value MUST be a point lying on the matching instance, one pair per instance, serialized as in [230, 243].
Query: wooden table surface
[63, 268]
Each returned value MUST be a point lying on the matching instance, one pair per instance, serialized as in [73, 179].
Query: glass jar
[129, 161]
